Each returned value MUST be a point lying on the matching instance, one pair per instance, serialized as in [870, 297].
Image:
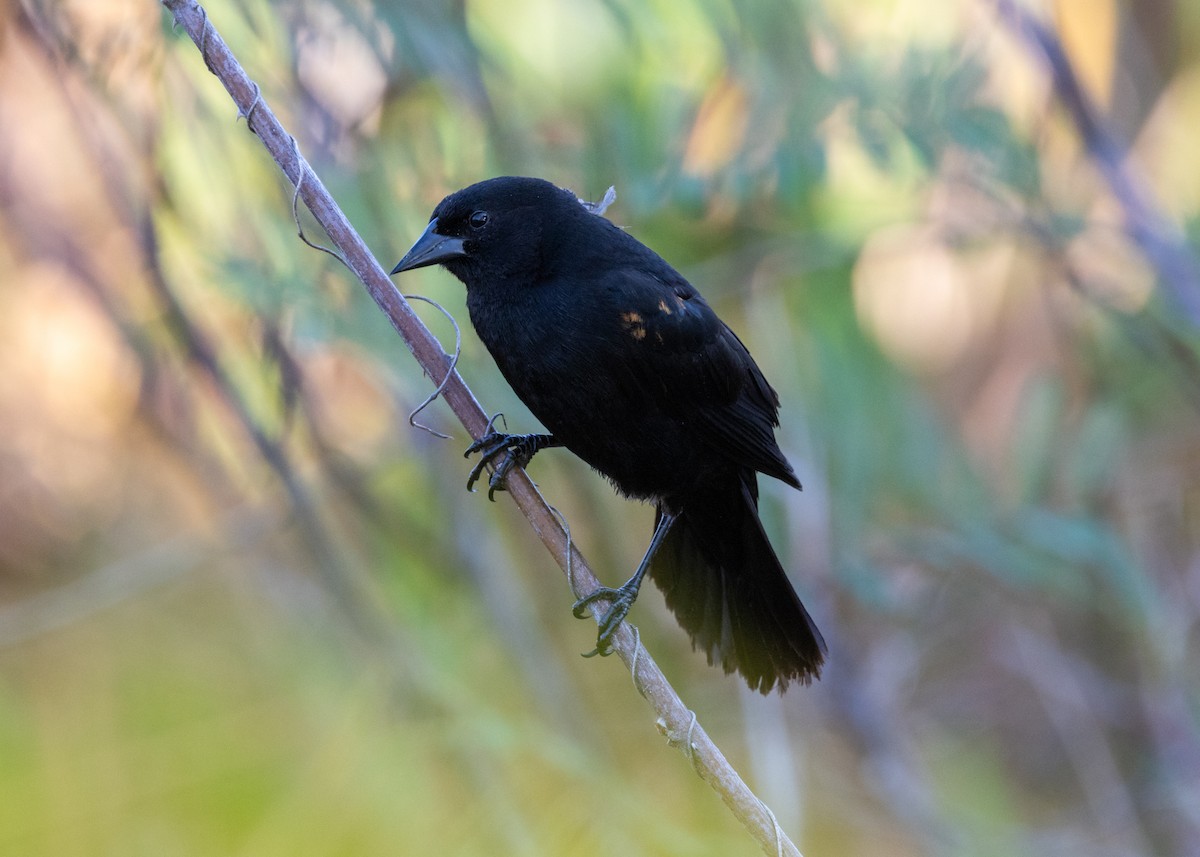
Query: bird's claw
[517, 453]
[604, 653]
[620, 600]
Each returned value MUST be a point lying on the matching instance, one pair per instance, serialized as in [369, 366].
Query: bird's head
[499, 229]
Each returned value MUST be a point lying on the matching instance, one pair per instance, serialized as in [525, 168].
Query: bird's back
[624, 361]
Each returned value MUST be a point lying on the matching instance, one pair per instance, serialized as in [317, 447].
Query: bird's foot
[517, 450]
[620, 600]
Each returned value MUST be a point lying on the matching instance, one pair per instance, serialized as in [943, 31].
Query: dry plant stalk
[674, 719]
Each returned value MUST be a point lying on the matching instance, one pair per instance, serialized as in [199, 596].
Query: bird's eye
[478, 219]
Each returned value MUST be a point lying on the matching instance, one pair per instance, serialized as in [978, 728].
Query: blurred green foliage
[246, 609]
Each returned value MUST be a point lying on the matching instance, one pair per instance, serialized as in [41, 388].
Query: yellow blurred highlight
[719, 129]
[912, 296]
[880, 26]
[564, 48]
[1166, 149]
[76, 383]
[927, 303]
[70, 358]
[1088, 29]
[68, 393]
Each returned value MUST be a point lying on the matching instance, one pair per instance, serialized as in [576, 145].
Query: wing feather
[703, 373]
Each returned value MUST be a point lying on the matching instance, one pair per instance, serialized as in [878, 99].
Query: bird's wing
[700, 371]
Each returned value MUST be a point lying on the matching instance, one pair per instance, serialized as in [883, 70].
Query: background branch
[1161, 242]
[675, 720]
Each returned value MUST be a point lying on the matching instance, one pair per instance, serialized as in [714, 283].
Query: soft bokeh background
[246, 609]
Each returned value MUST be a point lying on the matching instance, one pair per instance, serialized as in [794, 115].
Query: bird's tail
[727, 589]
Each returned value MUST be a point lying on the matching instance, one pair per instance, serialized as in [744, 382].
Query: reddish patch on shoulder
[634, 325]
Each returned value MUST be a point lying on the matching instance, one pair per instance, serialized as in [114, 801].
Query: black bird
[629, 368]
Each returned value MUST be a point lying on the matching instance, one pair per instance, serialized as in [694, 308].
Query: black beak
[430, 249]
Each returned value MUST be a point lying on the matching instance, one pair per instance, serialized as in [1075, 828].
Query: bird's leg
[621, 598]
[518, 449]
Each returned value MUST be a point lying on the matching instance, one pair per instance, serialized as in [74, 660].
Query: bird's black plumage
[627, 366]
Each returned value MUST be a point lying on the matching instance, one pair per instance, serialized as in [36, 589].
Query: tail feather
[728, 590]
